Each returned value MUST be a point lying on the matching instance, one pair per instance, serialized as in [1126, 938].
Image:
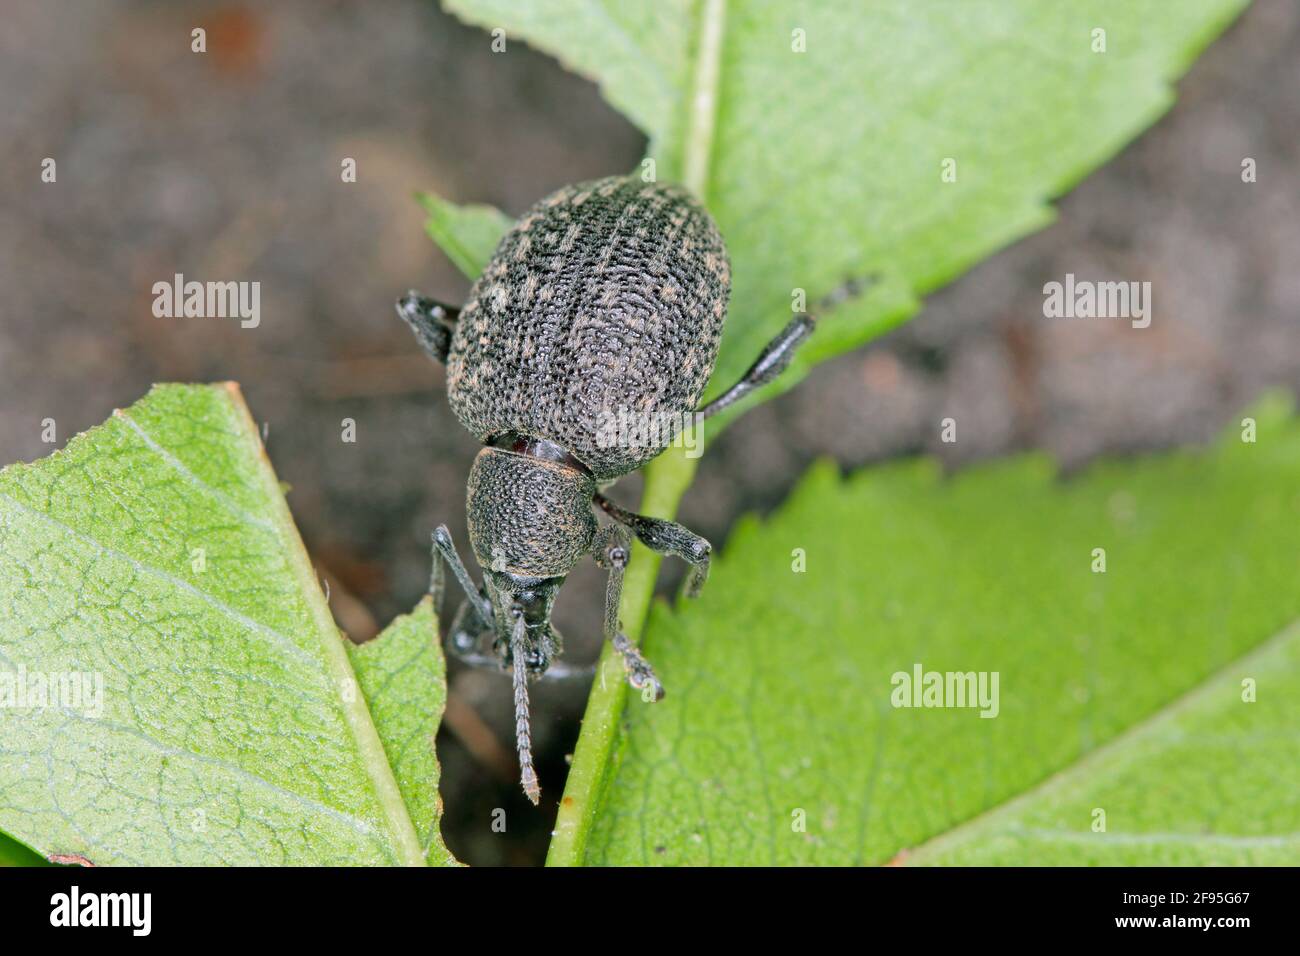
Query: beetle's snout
[532, 607]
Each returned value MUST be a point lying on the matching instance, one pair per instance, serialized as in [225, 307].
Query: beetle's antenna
[523, 730]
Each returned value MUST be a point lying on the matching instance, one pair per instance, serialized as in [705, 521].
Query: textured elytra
[527, 516]
[604, 304]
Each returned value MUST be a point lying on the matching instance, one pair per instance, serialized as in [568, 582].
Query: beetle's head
[511, 596]
[514, 596]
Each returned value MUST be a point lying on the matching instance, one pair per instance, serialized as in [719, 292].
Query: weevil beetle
[605, 298]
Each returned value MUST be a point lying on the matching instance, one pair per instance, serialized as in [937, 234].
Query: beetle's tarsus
[771, 362]
[612, 552]
[437, 580]
[698, 576]
[639, 672]
[431, 321]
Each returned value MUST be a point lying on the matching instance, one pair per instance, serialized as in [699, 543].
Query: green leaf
[825, 165]
[156, 554]
[404, 681]
[1187, 784]
[13, 853]
[467, 234]
[823, 169]
[780, 705]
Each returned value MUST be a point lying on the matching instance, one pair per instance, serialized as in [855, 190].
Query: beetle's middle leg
[611, 551]
[666, 537]
[771, 362]
[431, 321]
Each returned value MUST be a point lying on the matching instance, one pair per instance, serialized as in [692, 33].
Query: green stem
[702, 108]
[666, 479]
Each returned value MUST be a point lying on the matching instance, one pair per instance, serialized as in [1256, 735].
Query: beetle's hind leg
[771, 362]
[667, 537]
[611, 551]
[431, 321]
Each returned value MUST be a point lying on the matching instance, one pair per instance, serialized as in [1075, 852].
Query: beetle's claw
[642, 678]
[639, 672]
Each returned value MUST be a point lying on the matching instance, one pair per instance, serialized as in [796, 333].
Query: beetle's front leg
[445, 547]
[667, 537]
[611, 551]
[431, 321]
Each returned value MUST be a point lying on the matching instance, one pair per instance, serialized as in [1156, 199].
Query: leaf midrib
[666, 479]
[1216, 682]
[402, 839]
[702, 106]
[370, 748]
[282, 640]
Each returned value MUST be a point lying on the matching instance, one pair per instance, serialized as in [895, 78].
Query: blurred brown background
[226, 166]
